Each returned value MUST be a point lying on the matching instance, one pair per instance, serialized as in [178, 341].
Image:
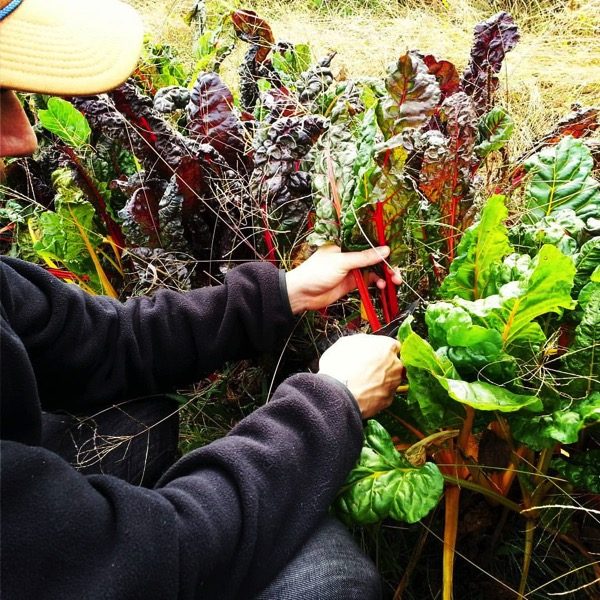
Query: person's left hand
[327, 276]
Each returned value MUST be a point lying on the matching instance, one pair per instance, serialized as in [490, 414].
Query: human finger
[365, 258]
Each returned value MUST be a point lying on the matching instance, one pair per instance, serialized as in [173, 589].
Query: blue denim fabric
[330, 566]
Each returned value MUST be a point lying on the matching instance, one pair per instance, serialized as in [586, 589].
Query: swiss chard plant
[493, 373]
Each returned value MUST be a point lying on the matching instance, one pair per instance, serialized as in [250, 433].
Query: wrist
[296, 298]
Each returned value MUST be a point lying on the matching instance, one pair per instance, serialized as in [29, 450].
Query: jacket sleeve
[92, 350]
[221, 524]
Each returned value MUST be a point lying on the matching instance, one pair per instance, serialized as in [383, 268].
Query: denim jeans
[137, 441]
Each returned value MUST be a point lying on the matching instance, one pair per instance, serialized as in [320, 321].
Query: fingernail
[383, 250]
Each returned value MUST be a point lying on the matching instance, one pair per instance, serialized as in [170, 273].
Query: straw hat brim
[66, 47]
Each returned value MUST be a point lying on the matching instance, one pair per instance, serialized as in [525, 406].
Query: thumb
[366, 258]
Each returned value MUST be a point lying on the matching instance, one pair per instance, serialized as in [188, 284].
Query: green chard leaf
[416, 353]
[582, 360]
[512, 311]
[64, 120]
[475, 351]
[559, 426]
[384, 483]
[587, 261]
[482, 246]
[583, 471]
[413, 95]
[60, 231]
[494, 130]
[562, 179]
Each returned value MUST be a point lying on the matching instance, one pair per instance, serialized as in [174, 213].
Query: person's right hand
[369, 367]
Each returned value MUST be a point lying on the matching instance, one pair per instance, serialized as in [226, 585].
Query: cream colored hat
[67, 47]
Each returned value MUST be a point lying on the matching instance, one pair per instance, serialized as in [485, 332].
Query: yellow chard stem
[452, 498]
[106, 285]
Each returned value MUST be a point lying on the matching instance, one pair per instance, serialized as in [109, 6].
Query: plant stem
[414, 560]
[452, 499]
[528, 552]
[475, 487]
[268, 237]
[96, 198]
[366, 300]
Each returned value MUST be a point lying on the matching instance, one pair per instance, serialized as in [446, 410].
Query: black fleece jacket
[225, 518]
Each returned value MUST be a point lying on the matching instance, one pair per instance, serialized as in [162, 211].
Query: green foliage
[562, 179]
[512, 311]
[385, 484]
[588, 259]
[561, 426]
[482, 246]
[583, 357]
[583, 471]
[65, 121]
[416, 353]
[293, 61]
[494, 130]
[60, 231]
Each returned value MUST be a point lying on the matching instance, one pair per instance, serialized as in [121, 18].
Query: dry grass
[556, 63]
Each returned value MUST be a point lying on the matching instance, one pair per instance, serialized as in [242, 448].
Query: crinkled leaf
[212, 120]
[384, 484]
[561, 229]
[413, 95]
[446, 175]
[445, 73]
[539, 432]
[417, 353]
[65, 121]
[512, 311]
[492, 40]
[474, 350]
[515, 267]
[494, 130]
[251, 28]
[337, 151]
[381, 199]
[559, 426]
[586, 262]
[482, 246]
[562, 179]
[583, 471]
[582, 360]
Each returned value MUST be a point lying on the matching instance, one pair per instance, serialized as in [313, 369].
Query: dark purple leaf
[213, 121]
[493, 39]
